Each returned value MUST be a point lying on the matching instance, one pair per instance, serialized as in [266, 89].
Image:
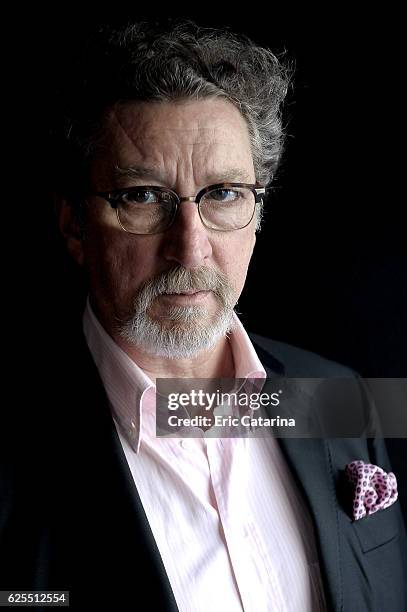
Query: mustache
[179, 279]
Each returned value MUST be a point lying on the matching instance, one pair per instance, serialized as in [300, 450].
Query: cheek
[117, 264]
[234, 256]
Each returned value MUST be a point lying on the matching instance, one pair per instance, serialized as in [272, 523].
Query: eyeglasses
[151, 210]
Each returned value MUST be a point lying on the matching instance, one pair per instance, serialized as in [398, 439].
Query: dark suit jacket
[71, 518]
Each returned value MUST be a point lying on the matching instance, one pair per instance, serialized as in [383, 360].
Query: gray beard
[184, 331]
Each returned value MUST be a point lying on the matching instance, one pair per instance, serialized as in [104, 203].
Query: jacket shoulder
[297, 362]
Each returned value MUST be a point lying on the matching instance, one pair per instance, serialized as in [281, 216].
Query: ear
[253, 245]
[71, 228]
[254, 239]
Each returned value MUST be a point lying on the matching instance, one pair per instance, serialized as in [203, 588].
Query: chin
[177, 338]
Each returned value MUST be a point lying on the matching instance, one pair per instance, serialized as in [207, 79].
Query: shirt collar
[131, 391]
[246, 361]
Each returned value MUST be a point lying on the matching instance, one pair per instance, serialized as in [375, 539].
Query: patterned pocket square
[374, 489]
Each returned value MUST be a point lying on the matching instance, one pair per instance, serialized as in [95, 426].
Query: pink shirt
[229, 522]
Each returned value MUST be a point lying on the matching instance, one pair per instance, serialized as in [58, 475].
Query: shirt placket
[229, 473]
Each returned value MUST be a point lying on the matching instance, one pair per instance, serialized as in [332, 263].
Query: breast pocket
[379, 528]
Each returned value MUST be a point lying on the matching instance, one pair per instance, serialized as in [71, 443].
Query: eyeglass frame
[112, 197]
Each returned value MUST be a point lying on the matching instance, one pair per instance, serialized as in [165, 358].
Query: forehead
[189, 122]
[175, 129]
[181, 140]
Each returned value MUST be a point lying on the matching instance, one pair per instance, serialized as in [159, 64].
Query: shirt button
[188, 444]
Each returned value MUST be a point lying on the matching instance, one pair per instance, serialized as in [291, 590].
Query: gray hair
[146, 61]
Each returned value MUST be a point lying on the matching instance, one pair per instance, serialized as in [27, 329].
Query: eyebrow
[228, 175]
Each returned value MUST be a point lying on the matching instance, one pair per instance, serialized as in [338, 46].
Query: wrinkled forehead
[208, 121]
[185, 139]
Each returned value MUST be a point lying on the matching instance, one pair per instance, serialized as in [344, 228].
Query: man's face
[184, 146]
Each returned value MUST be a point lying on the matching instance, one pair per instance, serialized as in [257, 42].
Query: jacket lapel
[310, 462]
[109, 534]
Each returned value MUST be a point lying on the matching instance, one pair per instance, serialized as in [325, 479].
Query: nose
[186, 242]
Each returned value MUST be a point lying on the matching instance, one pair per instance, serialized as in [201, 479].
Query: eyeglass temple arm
[260, 192]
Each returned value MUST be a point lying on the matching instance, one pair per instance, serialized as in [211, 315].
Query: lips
[189, 295]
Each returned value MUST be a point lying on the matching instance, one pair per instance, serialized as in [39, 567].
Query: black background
[329, 270]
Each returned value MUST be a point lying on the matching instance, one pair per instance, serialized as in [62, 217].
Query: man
[168, 140]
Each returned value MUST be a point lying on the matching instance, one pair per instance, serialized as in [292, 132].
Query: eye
[140, 196]
[224, 195]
